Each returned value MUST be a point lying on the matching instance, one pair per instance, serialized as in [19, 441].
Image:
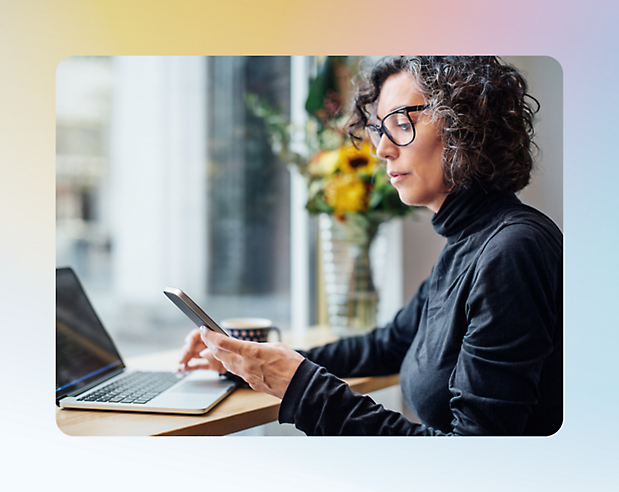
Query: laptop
[90, 373]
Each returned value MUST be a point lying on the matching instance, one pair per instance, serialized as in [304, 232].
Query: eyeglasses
[397, 125]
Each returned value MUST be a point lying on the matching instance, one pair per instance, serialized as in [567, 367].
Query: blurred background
[165, 177]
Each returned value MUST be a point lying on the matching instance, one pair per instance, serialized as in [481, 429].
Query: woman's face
[415, 170]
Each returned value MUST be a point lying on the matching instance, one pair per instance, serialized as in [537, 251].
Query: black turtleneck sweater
[479, 348]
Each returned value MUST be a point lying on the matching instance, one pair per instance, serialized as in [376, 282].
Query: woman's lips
[396, 177]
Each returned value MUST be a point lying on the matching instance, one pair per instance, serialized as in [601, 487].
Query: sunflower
[346, 193]
[357, 161]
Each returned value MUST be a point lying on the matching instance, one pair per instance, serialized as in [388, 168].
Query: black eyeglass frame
[381, 130]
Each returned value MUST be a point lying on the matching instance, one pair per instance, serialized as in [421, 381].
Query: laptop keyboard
[137, 388]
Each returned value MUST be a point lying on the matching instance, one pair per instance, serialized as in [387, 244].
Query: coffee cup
[250, 329]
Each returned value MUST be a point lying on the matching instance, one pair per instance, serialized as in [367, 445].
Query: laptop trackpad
[201, 386]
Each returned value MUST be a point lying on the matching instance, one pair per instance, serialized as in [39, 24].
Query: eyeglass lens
[397, 126]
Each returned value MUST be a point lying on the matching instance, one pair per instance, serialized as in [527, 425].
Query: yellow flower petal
[324, 163]
[346, 193]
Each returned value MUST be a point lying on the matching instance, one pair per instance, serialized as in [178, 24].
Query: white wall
[545, 77]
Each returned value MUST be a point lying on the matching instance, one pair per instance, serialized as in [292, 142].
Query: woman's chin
[407, 199]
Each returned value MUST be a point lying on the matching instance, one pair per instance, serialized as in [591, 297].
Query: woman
[479, 346]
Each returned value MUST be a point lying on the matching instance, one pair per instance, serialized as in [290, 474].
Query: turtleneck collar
[464, 207]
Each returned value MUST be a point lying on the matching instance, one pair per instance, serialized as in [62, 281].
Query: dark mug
[250, 329]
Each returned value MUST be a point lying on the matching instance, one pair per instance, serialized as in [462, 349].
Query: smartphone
[192, 310]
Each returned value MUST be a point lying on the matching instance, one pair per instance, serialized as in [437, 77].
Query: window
[164, 178]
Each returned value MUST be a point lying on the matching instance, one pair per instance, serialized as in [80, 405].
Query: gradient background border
[35, 35]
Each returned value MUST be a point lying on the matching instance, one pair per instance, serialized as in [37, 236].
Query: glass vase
[352, 299]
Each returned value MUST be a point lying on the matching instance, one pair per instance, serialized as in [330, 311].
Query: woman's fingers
[194, 364]
[267, 367]
[216, 341]
[224, 349]
[207, 358]
[191, 349]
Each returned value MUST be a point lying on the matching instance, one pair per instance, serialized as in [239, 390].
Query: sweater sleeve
[320, 404]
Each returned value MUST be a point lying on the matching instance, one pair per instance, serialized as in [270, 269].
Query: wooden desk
[242, 410]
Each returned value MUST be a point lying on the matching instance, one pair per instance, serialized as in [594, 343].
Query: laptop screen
[84, 350]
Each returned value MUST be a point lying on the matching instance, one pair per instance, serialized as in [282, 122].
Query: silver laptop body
[87, 360]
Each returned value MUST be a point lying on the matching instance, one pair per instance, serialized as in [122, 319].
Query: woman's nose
[386, 149]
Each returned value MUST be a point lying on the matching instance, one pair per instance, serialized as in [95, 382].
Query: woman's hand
[195, 355]
[267, 367]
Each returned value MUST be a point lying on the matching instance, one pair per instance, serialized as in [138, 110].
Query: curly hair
[483, 110]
